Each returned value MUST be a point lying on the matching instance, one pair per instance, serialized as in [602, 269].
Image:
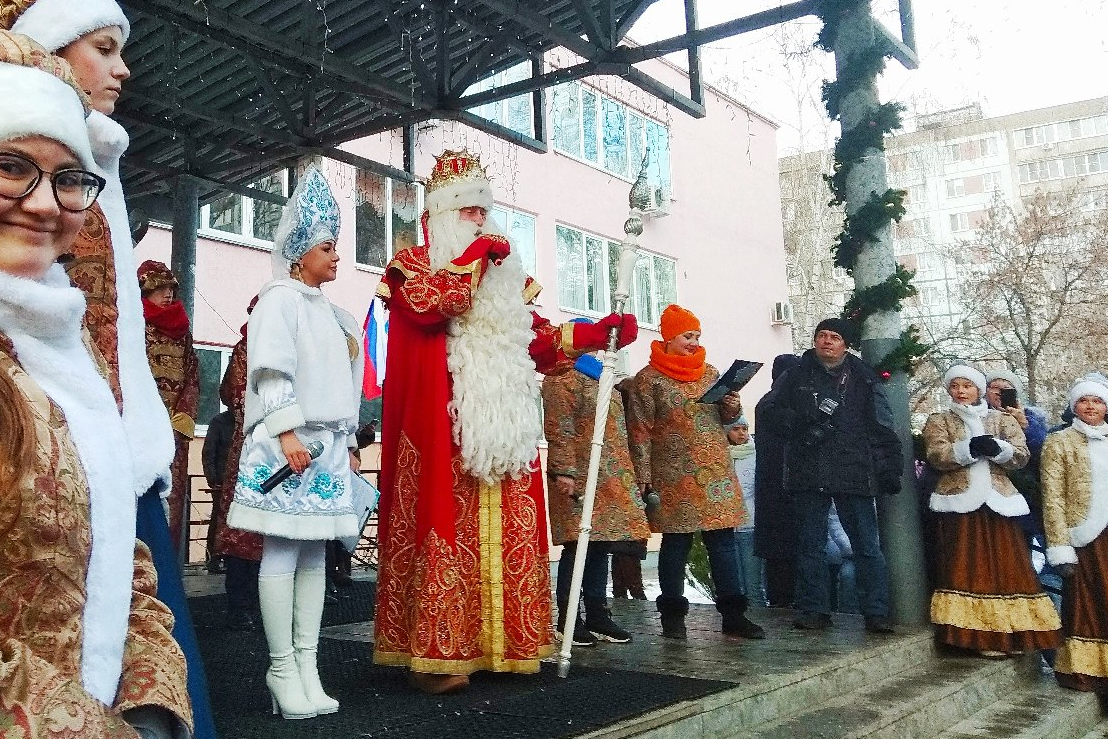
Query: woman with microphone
[303, 391]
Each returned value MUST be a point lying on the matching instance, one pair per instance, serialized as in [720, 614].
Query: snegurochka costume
[1074, 475]
[304, 374]
[987, 596]
[176, 370]
[464, 581]
[82, 637]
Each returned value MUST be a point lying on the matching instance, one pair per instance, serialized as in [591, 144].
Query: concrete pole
[186, 217]
[900, 514]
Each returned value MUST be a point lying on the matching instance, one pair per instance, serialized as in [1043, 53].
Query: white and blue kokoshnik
[300, 506]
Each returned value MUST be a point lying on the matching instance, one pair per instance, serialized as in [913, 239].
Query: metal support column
[900, 515]
[186, 217]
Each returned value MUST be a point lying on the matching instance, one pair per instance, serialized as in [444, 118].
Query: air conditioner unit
[658, 204]
[782, 313]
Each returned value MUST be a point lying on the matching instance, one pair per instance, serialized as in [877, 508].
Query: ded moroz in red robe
[464, 583]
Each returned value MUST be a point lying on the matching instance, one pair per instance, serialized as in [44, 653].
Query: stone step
[1041, 709]
[917, 703]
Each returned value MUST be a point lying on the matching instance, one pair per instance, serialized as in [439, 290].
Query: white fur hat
[36, 103]
[458, 181]
[1093, 384]
[966, 372]
[58, 23]
[1007, 376]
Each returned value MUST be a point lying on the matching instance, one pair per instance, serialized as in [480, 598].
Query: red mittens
[485, 246]
[593, 336]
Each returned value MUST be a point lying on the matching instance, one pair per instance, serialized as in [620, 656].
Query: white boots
[311, 586]
[294, 605]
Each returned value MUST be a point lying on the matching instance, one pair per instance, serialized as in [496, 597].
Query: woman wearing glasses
[85, 648]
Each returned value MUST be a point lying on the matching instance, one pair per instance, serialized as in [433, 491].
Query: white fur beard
[494, 409]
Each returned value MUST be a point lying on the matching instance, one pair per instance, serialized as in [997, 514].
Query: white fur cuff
[962, 453]
[1008, 506]
[1061, 555]
[284, 419]
[1007, 451]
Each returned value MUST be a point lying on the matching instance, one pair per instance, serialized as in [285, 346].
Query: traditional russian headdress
[154, 275]
[311, 217]
[58, 23]
[51, 103]
[457, 181]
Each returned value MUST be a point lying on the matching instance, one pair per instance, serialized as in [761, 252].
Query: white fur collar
[980, 490]
[43, 320]
[1097, 518]
[144, 415]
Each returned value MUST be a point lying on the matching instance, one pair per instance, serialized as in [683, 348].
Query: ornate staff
[638, 199]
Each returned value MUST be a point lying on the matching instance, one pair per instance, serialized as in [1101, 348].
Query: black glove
[888, 484]
[1067, 570]
[984, 446]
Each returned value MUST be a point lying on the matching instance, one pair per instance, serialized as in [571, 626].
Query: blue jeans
[858, 515]
[723, 561]
[750, 568]
[594, 580]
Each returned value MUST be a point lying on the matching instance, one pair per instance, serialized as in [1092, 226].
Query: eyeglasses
[75, 190]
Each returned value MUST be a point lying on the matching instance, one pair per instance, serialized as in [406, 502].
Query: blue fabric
[750, 568]
[723, 561]
[859, 519]
[153, 529]
[314, 215]
[589, 365]
[594, 580]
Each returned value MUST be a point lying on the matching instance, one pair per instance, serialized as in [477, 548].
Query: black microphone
[315, 448]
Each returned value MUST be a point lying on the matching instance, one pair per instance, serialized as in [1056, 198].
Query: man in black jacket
[841, 446]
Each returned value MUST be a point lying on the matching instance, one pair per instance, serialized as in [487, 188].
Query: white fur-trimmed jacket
[1074, 478]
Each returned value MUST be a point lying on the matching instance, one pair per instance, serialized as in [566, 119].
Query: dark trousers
[594, 580]
[241, 585]
[627, 576]
[723, 560]
[780, 581]
[858, 515]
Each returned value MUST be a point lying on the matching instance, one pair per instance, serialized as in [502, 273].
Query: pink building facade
[714, 243]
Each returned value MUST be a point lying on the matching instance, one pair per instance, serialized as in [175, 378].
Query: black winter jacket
[854, 452]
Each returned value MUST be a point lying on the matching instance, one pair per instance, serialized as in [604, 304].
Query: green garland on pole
[881, 209]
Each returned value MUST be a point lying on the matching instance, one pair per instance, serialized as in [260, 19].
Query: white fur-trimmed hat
[966, 372]
[458, 181]
[1006, 375]
[41, 98]
[58, 23]
[1092, 384]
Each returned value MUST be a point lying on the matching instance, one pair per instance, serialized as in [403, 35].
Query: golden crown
[454, 166]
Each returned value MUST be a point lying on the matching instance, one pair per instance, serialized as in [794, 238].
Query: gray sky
[1010, 56]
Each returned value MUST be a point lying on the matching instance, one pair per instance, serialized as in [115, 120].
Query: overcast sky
[1009, 55]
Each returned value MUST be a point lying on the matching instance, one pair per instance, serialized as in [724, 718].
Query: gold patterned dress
[569, 407]
[45, 544]
[679, 448]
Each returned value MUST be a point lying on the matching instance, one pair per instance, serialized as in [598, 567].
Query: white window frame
[598, 129]
[1049, 133]
[246, 235]
[420, 195]
[956, 188]
[497, 112]
[530, 267]
[224, 360]
[646, 261]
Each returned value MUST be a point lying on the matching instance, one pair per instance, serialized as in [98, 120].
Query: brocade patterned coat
[679, 447]
[45, 545]
[569, 406]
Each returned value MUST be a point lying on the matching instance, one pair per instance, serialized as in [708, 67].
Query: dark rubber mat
[348, 606]
[377, 701]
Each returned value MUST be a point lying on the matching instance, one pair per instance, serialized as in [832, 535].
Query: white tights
[282, 556]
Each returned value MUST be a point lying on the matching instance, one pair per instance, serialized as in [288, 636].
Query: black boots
[735, 622]
[598, 620]
[673, 612]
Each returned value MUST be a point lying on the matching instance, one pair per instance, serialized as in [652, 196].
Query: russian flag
[376, 331]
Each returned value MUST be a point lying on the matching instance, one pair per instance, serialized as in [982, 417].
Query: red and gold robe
[464, 582]
[176, 371]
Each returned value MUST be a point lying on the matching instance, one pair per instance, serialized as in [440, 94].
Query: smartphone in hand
[1008, 397]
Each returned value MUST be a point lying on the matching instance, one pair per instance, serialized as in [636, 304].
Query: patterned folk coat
[45, 545]
[679, 447]
[569, 405]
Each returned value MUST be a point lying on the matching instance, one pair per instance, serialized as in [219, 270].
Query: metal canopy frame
[228, 91]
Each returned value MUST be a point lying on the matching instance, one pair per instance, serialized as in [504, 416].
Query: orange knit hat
[676, 320]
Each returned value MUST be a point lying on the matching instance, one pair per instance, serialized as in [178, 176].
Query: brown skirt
[1082, 662]
[987, 596]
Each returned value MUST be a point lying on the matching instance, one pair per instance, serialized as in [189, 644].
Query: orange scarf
[683, 369]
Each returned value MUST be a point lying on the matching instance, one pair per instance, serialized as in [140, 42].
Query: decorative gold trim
[383, 290]
[567, 341]
[531, 291]
[1083, 656]
[491, 517]
[1000, 613]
